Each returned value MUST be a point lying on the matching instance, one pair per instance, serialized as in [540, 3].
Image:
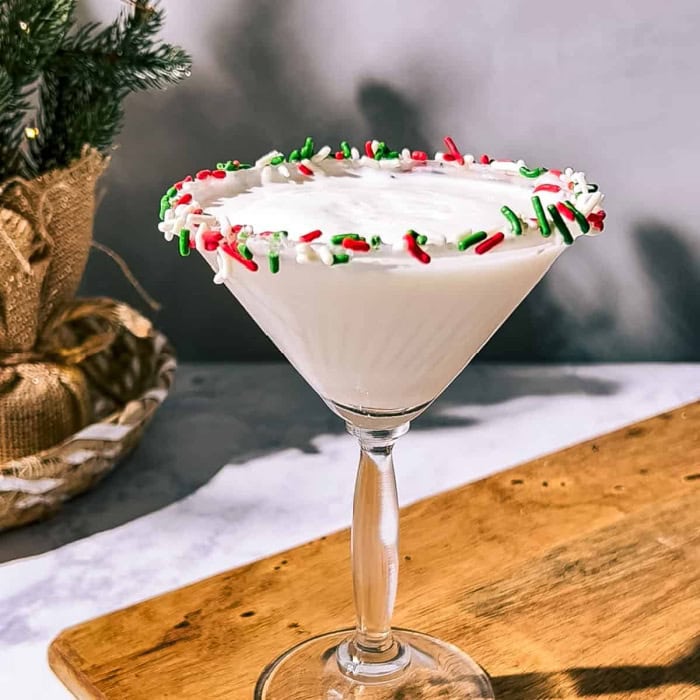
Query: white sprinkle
[266, 175]
[224, 267]
[183, 209]
[187, 186]
[322, 154]
[324, 252]
[375, 145]
[283, 170]
[354, 153]
[399, 246]
[170, 214]
[439, 155]
[305, 253]
[468, 159]
[199, 237]
[406, 154]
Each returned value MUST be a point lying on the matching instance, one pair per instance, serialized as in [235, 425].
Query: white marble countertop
[244, 460]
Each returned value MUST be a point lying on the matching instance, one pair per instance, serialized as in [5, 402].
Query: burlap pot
[45, 236]
[128, 381]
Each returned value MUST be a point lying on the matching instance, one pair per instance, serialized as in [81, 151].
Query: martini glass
[379, 341]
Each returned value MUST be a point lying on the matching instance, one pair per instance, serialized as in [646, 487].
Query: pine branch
[30, 33]
[92, 73]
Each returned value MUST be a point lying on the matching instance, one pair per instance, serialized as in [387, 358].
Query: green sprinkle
[560, 224]
[381, 151]
[184, 242]
[245, 251]
[274, 261]
[221, 166]
[375, 241]
[515, 224]
[471, 239]
[172, 192]
[340, 237]
[545, 228]
[592, 187]
[345, 148]
[244, 166]
[580, 218]
[307, 149]
[230, 165]
[341, 258]
[164, 206]
[392, 154]
[277, 160]
[532, 172]
[421, 239]
[281, 234]
[294, 156]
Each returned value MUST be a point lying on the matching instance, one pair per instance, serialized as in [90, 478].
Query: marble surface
[243, 461]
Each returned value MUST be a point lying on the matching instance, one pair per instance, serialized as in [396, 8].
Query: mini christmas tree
[62, 86]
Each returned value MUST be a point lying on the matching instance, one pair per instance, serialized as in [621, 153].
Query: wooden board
[575, 575]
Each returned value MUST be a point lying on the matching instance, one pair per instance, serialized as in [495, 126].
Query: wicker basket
[129, 381]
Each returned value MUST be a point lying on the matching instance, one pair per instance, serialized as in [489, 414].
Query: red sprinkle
[178, 185]
[368, 149]
[565, 211]
[419, 155]
[454, 151]
[415, 250]
[218, 174]
[250, 264]
[188, 179]
[236, 228]
[211, 240]
[203, 174]
[556, 173]
[489, 243]
[310, 236]
[184, 199]
[196, 211]
[484, 160]
[596, 220]
[448, 157]
[304, 170]
[352, 244]
[339, 155]
[547, 188]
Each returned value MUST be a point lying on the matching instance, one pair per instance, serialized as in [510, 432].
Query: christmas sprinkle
[557, 197]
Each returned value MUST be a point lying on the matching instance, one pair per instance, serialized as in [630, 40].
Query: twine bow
[59, 342]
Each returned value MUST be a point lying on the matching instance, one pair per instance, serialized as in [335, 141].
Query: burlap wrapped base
[127, 382]
[45, 236]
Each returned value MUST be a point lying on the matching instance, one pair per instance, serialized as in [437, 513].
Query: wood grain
[575, 575]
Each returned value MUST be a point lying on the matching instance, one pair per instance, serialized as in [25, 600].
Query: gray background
[611, 88]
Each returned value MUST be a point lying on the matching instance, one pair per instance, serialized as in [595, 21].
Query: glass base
[422, 668]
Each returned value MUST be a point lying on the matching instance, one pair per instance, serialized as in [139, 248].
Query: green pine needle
[82, 76]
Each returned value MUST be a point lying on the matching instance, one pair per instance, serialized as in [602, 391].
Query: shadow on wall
[265, 94]
[673, 270]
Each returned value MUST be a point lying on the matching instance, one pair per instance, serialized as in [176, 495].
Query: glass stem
[374, 545]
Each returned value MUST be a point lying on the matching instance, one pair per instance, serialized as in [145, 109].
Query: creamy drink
[379, 275]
